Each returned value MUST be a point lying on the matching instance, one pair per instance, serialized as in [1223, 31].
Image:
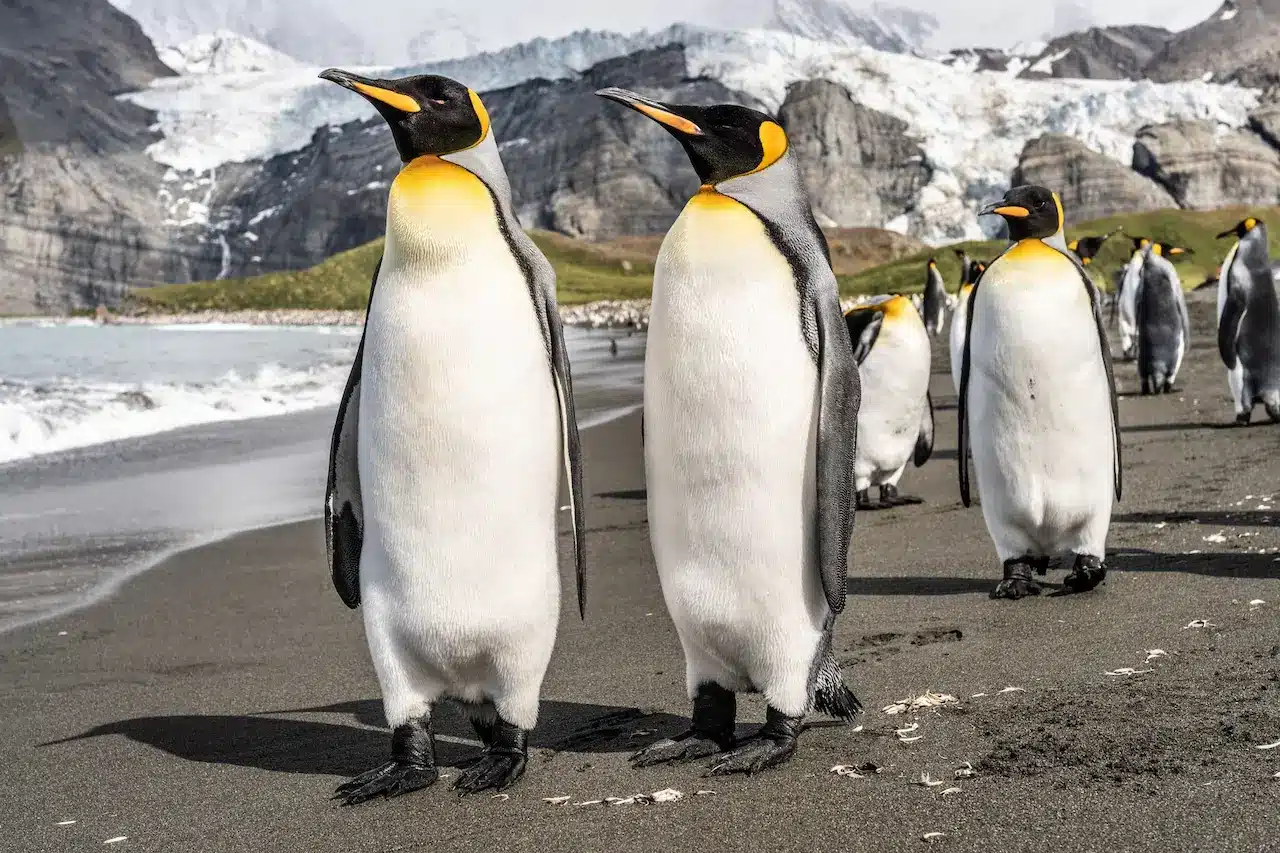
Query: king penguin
[1038, 403]
[960, 318]
[750, 411]
[441, 505]
[1164, 330]
[1126, 305]
[895, 421]
[1249, 322]
[1087, 248]
[935, 299]
[966, 266]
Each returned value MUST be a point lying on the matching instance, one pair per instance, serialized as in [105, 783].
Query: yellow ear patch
[403, 103]
[481, 113]
[773, 141]
[1250, 224]
[1073, 245]
[1156, 249]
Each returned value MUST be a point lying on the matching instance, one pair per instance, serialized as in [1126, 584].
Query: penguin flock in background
[769, 415]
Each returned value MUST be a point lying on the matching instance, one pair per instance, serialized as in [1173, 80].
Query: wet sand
[214, 702]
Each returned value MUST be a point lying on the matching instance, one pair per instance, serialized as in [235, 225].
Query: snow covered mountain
[884, 27]
[224, 52]
[971, 126]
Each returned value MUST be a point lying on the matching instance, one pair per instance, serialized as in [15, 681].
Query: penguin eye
[440, 101]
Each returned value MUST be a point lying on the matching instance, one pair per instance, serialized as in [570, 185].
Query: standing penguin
[1164, 330]
[1249, 322]
[935, 299]
[1126, 304]
[440, 509]
[966, 266]
[1038, 403]
[751, 409]
[895, 421]
[959, 321]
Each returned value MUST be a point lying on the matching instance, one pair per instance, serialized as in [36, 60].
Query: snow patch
[224, 52]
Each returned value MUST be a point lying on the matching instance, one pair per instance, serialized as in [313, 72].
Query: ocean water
[122, 445]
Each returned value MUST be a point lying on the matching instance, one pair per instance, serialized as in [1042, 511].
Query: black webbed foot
[412, 766]
[1243, 418]
[501, 764]
[1018, 581]
[864, 501]
[890, 496]
[1086, 574]
[773, 745]
[714, 712]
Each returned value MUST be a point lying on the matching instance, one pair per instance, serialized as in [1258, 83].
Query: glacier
[972, 125]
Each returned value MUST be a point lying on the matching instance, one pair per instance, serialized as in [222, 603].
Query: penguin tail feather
[830, 695]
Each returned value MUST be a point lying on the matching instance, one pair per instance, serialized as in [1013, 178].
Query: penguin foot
[864, 501]
[1243, 418]
[1040, 564]
[773, 745]
[1086, 574]
[501, 764]
[390, 780]
[1018, 582]
[890, 496]
[1273, 412]
[412, 766]
[685, 747]
[714, 711]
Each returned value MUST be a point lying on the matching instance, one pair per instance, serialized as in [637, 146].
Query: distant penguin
[751, 409]
[1126, 306]
[441, 504]
[1087, 248]
[935, 299]
[1038, 403]
[966, 266]
[895, 422]
[1164, 330]
[1249, 322]
[959, 320]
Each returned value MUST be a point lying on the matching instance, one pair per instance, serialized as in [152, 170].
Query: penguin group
[769, 415]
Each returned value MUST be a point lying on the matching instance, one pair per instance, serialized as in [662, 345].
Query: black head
[427, 114]
[1243, 227]
[723, 141]
[1140, 243]
[1032, 213]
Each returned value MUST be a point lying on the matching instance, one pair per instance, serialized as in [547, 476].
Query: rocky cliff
[1204, 166]
[861, 166]
[1091, 184]
[1239, 42]
[1100, 53]
[79, 196]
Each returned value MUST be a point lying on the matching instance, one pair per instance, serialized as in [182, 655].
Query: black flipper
[924, 440]
[864, 328]
[343, 509]
[1096, 303]
[841, 395]
[962, 404]
[572, 445]
[1233, 309]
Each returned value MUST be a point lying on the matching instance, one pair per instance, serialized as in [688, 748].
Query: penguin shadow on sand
[269, 741]
[1218, 565]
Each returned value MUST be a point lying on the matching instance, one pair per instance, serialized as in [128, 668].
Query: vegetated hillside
[1194, 230]
[587, 272]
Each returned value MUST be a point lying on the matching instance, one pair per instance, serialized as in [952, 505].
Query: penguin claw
[687, 747]
[1016, 588]
[389, 780]
[1087, 573]
[758, 753]
[494, 771]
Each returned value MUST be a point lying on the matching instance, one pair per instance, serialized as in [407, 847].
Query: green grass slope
[1191, 229]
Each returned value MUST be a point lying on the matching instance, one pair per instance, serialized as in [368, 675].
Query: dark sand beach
[214, 702]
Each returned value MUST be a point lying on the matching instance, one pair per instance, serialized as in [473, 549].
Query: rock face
[1100, 53]
[1204, 167]
[1239, 42]
[883, 26]
[79, 196]
[860, 166]
[1092, 185]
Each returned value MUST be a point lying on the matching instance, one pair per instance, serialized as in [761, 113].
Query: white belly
[731, 398]
[459, 455]
[895, 379]
[1040, 410]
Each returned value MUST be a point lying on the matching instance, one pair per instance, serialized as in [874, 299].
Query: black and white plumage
[1249, 322]
[1163, 325]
